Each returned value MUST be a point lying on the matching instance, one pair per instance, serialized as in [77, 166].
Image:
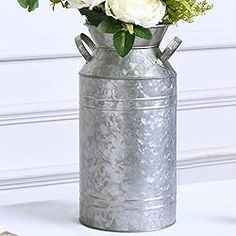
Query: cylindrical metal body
[127, 139]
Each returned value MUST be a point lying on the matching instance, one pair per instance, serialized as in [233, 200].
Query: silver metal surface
[80, 40]
[170, 49]
[127, 137]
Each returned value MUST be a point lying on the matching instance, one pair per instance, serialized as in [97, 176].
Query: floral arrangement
[127, 19]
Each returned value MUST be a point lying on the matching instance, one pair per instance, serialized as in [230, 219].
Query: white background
[39, 90]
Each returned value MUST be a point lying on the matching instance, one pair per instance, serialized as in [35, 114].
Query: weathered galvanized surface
[127, 136]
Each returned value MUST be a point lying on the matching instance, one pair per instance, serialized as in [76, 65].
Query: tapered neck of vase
[106, 40]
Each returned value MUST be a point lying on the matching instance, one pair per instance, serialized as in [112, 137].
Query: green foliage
[64, 3]
[123, 42]
[29, 4]
[94, 17]
[185, 10]
[33, 4]
[110, 25]
[142, 32]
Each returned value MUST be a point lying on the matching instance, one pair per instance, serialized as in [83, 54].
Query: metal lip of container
[127, 134]
[106, 40]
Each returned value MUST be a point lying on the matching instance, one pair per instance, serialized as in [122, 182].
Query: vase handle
[83, 40]
[170, 49]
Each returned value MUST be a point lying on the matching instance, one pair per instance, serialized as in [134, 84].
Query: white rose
[84, 3]
[146, 13]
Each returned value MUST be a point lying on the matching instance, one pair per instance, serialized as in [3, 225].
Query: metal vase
[127, 134]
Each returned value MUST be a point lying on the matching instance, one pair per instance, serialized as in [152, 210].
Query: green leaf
[123, 42]
[23, 3]
[94, 18]
[142, 32]
[110, 25]
[29, 4]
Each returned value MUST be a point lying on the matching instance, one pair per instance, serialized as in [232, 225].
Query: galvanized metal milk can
[127, 134]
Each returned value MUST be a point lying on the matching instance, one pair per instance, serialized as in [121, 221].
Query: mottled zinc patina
[127, 134]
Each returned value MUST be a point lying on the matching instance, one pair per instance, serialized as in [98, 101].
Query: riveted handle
[170, 49]
[83, 40]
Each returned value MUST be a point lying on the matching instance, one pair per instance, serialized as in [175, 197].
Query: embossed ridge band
[127, 105]
[147, 204]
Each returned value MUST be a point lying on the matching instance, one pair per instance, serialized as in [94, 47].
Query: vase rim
[155, 26]
[106, 40]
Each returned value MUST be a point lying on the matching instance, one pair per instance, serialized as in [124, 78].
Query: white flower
[146, 13]
[84, 3]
